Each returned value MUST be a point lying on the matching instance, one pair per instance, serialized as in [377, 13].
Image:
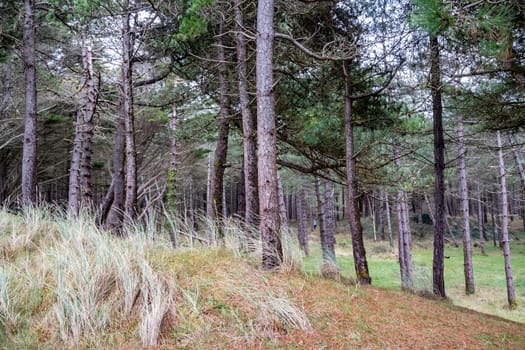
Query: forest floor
[65, 285]
[489, 273]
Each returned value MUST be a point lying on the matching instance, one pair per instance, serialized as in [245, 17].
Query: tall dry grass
[63, 280]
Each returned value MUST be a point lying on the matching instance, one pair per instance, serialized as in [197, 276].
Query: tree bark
[29, 180]
[248, 125]
[388, 220]
[80, 171]
[266, 139]
[511, 295]
[282, 205]
[90, 106]
[480, 223]
[404, 238]
[358, 247]
[463, 189]
[302, 223]
[328, 243]
[438, 265]
[172, 171]
[115, 214]
[221, 150]
[130, 203]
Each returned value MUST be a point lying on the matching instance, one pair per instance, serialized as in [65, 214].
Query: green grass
[489, 274]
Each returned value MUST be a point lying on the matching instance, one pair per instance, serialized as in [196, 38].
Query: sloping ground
[65, 285]
[340, 317]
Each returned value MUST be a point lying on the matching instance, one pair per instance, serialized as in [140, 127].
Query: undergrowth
[65, 283]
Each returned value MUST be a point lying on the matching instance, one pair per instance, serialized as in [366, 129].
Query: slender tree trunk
[74, 171]
[381, 215]
[302, 223]
[419, 205]
[328, 243]
[266, 139]
[358, 247]
[86, 167]
[388, 220]
[114, 218]
[80, 193]
[463, 188]
[221, 150]
[511, 295]
[209, 204]
[494, 226]
[438, 266]
[172, 170]
[248, 125]
[480, 223]
[404, 238]
[130, 203]
[29, 180]
[372, 207]
[282, 205]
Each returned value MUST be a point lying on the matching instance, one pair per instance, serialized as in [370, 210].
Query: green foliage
[193, 23]
[431, 15]
[55, 119]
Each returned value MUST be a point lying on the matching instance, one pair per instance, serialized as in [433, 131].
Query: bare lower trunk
[463, 189]
[248, 125]
[74, 171]
[480, 224]
[115, 215]
[266, 139]
[29, 181]
[80, 170]
[511, 295]
[358, 247]
[438, 265]
[282, 206]
[302, 223]
[419, 205]
[86, 192]
[404, 238]
[221, 150]
[328, 243]
[130, 203]
[388, 220]
[172, 171]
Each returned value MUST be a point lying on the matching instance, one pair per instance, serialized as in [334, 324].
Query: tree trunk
[438, 265]
[371, 205]
[74, 171]
[480, 224]
[419, 205]
[90, 104]
[114, 218]
[463, 188]
[80, 193]
[221, 150]
[209, 205]
[302, 223]
[404, 238]
[328, 243]
[172, 170]
[282, 205]
[358, 247]
[130, 203]
[266, 139]
[511, 296]
[248, 127]
[381, 215]
[388, 220]
[29, 180]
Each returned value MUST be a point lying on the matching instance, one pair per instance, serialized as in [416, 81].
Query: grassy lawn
[489, 274]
